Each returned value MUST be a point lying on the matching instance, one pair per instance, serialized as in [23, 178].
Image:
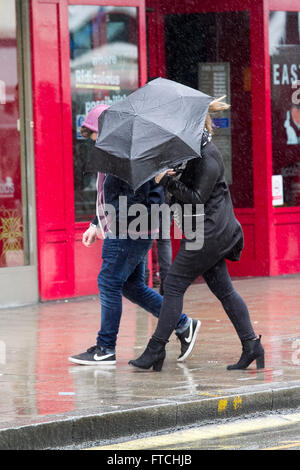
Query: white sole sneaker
[82, 362]
[192, 343]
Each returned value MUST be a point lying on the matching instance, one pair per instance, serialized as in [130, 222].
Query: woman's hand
[160, 176]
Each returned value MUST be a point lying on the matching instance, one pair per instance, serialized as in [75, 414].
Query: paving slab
[47, 402]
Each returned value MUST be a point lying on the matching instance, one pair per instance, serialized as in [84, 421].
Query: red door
[83, 53]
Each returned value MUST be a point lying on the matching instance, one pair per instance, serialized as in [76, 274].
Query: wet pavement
[37, 381]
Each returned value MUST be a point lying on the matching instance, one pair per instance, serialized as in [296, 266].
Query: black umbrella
[155, 128]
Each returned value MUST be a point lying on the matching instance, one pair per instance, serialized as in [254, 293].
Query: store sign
[285, 69]
[277, 190]
[214, 80]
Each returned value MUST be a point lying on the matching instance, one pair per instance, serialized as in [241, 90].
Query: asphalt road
[270, 432]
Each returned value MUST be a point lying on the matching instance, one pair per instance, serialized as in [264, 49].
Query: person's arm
[207, 172]
[95, 221]
[156, 192]
[90, 235]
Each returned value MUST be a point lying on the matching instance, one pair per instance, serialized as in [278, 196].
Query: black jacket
[203, 182]
[147, 194]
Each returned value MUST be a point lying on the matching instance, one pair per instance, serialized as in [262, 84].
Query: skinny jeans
[219, 282]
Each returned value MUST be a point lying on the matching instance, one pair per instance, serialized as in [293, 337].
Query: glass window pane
[212, 53]
[104, 70]
[284, 31]
[11, 204]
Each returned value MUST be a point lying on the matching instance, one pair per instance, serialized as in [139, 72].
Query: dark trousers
[122, 273]
[219, 282]
[164, 252]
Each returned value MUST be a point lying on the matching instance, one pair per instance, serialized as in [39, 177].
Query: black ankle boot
[252, 350]
[154, 355]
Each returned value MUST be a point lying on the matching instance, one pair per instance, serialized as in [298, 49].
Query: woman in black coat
[202, 182]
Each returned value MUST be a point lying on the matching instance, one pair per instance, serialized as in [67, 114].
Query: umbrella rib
[160, 127]
[166, 167]
[164, 129]
[148, 109]
[159, 106]
[115, 128]
[121, 112]
[137, 112]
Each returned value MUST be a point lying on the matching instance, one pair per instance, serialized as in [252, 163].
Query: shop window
[211, 52]
[12, 231]
[104, 70]
[284, 31]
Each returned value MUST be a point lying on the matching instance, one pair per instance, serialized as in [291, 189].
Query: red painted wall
[53, 155]
[66, 268]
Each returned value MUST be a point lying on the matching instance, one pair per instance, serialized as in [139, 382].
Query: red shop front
[86, 52]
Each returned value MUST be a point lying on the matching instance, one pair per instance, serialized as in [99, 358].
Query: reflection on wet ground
[35, 341]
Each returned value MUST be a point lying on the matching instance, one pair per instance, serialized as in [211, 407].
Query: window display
[11, 206]
[104, 70]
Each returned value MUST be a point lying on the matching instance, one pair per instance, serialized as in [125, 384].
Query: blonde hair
[215, 107]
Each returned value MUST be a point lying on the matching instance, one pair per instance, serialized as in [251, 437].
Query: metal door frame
[19, 285]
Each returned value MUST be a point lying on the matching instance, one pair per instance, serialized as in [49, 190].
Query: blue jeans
[122, 273]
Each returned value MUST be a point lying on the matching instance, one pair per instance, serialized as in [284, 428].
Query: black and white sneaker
[94, 356]
[187, 339]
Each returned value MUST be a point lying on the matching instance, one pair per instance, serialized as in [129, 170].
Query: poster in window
[285, 97]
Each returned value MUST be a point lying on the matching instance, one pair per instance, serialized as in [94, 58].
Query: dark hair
[85, 132]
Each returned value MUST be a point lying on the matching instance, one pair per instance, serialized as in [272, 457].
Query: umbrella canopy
[155, 128]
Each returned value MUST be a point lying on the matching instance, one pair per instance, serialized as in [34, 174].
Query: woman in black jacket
[202, 182]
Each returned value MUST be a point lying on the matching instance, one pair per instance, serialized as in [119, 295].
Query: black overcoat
[203, 182]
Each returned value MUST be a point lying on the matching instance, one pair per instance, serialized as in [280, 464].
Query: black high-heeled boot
[153, 356]
[252, 350]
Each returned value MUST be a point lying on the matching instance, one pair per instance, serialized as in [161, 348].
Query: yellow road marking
[222, 405]
[237, 403]
[211, 431]
[286, 446]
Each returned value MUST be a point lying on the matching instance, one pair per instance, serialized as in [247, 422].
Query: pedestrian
[202, 182]
[163, 253]
[123, 262]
